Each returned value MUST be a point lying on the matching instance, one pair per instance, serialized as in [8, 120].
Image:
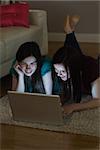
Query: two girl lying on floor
[70, 73]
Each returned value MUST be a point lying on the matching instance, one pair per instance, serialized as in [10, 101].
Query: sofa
[12, 37]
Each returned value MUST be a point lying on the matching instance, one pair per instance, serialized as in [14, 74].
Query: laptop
[36, 108]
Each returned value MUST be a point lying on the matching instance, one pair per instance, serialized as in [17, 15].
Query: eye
[63, 71]
[32, 63]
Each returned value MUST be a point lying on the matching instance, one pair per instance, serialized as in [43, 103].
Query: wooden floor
[21, 138]
[91, 49]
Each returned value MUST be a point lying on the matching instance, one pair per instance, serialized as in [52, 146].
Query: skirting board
[81, 37]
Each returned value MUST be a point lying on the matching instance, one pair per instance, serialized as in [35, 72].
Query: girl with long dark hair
[31, 72]
[74, 73]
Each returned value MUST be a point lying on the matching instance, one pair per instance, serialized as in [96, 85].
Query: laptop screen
[36, 107]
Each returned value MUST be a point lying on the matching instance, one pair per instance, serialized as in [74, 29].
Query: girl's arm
[14, 83]
[18, 84]
[95, 102]
[81, 106]
[47, 81]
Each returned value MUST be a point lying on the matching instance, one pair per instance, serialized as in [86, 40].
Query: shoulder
[46, 65]
[95, 88]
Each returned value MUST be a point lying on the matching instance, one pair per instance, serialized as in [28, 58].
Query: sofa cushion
[14, 15]
[10, 39]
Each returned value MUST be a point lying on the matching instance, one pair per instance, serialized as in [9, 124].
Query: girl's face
[29, 65]
[61, 71]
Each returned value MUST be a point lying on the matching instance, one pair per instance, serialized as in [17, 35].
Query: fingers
[18, 69]
[16, 66]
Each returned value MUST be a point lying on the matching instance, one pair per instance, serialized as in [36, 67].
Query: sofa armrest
[39, 18]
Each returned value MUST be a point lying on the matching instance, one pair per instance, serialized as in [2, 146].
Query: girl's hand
[18, 69]
[69, 108]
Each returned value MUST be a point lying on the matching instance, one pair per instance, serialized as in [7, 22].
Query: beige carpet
[84, 122]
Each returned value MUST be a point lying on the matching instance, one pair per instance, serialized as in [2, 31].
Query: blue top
[46, 66]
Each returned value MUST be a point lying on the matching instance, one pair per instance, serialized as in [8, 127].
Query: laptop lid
[36, 107]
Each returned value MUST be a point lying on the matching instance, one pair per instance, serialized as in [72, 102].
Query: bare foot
[67, 26]
[70, 23]
[74, 20]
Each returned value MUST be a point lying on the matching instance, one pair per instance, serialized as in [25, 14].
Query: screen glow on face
[29, 65]
[61, 71]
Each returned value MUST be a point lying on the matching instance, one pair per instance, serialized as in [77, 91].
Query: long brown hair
[70, 57]
[32, 49]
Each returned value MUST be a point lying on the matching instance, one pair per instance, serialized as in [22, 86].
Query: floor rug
[85, 122]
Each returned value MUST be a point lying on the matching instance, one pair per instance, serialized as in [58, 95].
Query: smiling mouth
[28, 72]
[63, 77]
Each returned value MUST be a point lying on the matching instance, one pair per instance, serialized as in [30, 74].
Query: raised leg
[69, 28]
